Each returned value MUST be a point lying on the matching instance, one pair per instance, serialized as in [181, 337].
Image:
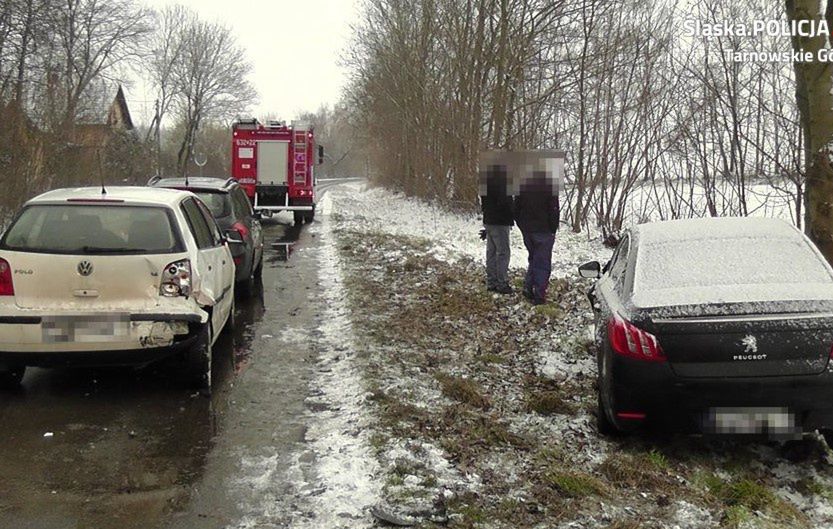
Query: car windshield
[93, 229]
[218, 203]
[728, 269]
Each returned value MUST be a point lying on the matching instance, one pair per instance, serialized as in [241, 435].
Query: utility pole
[158, 138]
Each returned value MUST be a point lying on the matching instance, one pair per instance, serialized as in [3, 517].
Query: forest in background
[656, 124]
[643, 110]
[61, 65]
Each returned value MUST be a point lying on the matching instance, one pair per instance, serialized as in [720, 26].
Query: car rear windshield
[93, 229]
[218, 203]
[677, 271]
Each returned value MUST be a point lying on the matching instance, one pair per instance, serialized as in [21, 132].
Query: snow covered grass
[449, 236]
[339, 437]
[484, 406]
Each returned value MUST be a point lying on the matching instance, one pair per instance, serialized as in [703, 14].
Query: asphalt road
[129, 449]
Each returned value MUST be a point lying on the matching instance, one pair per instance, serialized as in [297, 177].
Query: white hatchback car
[125, 277]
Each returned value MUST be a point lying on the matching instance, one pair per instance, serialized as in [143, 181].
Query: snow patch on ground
[343, 463]
[295, 335]
[690, 516]
[265, 484]
[325, 206]
[818, 508]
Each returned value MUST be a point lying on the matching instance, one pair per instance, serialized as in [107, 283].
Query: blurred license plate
[94, 328]
[751, 420]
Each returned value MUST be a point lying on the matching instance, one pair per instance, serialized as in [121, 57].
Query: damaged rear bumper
[95, 339]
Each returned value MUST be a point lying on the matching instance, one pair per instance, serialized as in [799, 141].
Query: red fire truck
[275, 164]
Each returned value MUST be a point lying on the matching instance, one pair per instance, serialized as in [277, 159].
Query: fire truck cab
[275, 164]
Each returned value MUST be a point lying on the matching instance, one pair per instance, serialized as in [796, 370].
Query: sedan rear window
[93, 229]
[672, 272]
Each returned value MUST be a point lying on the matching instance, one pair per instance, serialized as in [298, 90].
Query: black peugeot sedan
[234, 214]
[718, 325]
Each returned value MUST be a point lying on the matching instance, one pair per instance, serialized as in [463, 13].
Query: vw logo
[85, 268]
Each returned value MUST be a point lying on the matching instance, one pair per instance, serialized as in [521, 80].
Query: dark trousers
[539, 246]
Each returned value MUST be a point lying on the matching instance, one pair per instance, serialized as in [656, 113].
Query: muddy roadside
[486, 408]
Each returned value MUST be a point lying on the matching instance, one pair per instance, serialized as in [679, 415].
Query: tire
[299, 217]
[603, 423]
[258, 272]
[11, 378]
[231, 322]
[198, 361]
[244, 287]
[309, 217]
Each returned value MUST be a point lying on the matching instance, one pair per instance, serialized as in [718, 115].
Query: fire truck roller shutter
[272, 162]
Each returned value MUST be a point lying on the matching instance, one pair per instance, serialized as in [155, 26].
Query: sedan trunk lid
[746, 345]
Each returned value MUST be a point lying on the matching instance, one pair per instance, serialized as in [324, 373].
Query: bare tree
[166, 51]
[95, 37]
[210, 79]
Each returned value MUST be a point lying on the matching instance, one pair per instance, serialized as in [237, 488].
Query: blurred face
[520, 172]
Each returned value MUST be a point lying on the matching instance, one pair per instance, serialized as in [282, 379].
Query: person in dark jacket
[497, 221]
[537, 213]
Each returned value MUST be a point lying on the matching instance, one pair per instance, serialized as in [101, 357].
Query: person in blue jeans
[496, 204]
[537, 214]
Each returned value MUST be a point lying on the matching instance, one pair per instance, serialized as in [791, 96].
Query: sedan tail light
[176, 279]
[632, 342]
[241, 228]
[6, 284]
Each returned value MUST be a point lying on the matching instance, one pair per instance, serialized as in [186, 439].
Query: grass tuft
[548, 403]
[574, 484]
[464, 390]
[657, 459]
[743, 496]
[550, 310]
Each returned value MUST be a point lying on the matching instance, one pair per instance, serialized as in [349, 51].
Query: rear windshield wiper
[98, 249]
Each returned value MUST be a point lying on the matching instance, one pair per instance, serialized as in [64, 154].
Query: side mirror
[591, 270]
[320, 154]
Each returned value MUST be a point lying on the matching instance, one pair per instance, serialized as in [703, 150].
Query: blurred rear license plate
[750, 420]
[95, 328]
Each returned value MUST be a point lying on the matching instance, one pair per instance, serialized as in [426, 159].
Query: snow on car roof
[727, 260]
[128, 194]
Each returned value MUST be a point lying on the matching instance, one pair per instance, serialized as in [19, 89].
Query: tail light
[241, 228]
[176, 279]
[632, 342]
[6, 284]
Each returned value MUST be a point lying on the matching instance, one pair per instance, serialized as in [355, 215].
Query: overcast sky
[294, 47]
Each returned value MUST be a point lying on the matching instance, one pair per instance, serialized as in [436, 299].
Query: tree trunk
[814, 81]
